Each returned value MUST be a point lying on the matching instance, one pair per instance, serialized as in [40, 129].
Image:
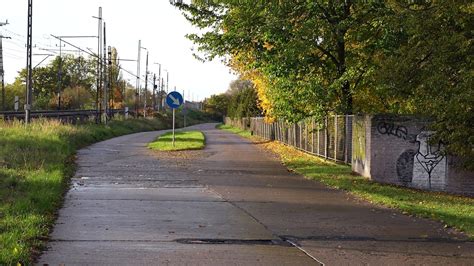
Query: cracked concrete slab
[232, 202]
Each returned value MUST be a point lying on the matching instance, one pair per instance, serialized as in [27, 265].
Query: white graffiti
[429, 165]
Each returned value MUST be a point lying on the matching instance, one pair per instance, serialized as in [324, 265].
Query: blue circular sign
[174, 99]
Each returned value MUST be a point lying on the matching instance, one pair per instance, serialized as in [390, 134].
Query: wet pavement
[230, 204]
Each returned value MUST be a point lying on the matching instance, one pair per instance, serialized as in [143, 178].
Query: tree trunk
[346, 94]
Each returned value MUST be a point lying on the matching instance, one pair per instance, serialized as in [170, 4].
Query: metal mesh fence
[330, 138]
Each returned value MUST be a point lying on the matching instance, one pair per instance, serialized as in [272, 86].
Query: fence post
[278, 130]
[266, 131]
[273, 131]
[306, 138]
[319, 144]
[335, 137]
[346, 127]
[326, 147]
[312, 135]
[300, 135]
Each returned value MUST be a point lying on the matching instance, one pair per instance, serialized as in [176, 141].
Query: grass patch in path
[36, 162]
[453, 211]
[184, 140]
[240, 132]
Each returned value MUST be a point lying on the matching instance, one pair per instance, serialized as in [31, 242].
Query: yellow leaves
[241, 62]
[268, 46]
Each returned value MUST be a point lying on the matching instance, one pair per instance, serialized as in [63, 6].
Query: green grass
[243, 133]
[36, 162]
[452, 210]
[184, 140]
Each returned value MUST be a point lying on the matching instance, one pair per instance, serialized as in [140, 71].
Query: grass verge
[184, 140]
[453, 211]
[238, 131]
[36, 162]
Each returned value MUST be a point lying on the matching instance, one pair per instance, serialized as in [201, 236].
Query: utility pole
[167, 81]
[109, 96]
[137, 89]
[154, 92]
[112, 89]
[29, 63]
[2, 72]
[60, 73]
[99, 67]
[162, 89]
[124, 84]
[146, 86]
[160, 82]
[106, 80]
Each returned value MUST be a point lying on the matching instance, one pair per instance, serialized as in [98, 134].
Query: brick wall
[396, 150]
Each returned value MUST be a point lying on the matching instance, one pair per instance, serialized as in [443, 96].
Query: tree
[430, 71]
[62, 73]
[305, 54]
[237, 85]
[311, 58]
[217, 106]
[17, 88]
[243, 100]
[116, 81]
[73, 78]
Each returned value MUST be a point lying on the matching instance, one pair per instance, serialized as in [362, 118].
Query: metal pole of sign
[173, 124]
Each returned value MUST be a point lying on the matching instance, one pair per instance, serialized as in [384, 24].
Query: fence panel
[330, 138]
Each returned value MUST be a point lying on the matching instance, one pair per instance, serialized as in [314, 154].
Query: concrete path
[230, 204]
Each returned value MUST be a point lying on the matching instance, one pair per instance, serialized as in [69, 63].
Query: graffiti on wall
[392, 129]
[425, 167]
[359, 143]
[405, 167]
[429, 167]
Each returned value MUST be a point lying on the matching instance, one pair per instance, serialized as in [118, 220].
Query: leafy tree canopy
[311, 58]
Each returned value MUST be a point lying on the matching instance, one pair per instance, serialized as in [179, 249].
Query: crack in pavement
[234, 204]
[266, 227]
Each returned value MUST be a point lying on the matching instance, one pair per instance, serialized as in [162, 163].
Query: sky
[159, 25]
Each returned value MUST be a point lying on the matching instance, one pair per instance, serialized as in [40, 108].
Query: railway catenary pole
[154, 92]
[109, 97]
[111, 80]
[146, 86]
[137, 88]
[159, 86]
[99, 67]
[29, 63]
[2, 71]
[106, 80]
[60, 73]
[162, 89]
[160, 81]
[167, 81]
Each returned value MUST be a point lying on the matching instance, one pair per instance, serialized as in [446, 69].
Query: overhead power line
[95, 56]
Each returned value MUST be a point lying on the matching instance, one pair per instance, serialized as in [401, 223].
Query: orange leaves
[268, 46]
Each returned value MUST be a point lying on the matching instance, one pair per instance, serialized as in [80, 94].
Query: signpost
[174, 100]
